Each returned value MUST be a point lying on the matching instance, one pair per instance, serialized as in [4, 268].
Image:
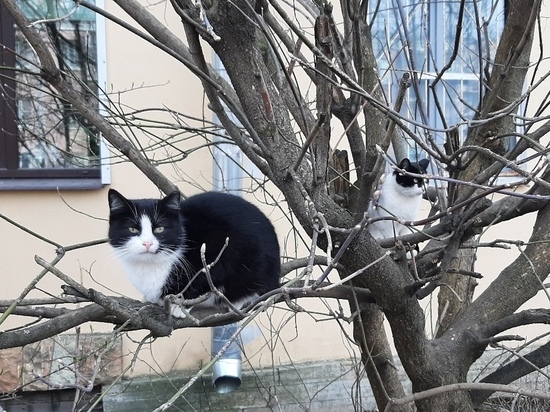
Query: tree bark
[377, 357]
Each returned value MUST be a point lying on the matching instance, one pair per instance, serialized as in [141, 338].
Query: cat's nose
[148, 244]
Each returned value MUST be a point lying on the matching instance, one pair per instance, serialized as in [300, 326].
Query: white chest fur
[149, 274]
[397, 201]
[146, 266]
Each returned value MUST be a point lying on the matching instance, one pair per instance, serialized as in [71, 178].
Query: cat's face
[145, 230]
[411, 182]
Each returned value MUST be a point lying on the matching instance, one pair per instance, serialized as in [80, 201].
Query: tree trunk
[377, 357]
[456, 290]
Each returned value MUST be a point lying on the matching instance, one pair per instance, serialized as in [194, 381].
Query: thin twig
[309, 140]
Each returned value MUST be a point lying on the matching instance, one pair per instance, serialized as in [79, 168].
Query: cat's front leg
[172, 307]
[179, 307]
[180, 312]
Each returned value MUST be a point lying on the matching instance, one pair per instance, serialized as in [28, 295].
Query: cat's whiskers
[186, 265]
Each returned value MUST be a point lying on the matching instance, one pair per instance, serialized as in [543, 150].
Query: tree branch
[62, 323]
[539, 358]
[525, 317]
[491, 387]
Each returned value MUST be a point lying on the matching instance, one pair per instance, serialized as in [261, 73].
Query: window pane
[481, 27]
[394, 25]
[51, 133]
[465, 90]
[418, 36]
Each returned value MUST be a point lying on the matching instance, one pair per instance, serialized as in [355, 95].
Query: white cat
[399, 196]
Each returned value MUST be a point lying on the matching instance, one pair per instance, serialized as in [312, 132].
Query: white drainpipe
[227, 371]
[228, 176]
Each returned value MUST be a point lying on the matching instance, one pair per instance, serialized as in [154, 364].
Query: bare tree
[285, 130]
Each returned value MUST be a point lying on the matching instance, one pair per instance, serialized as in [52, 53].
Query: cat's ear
[424, 163]
[405, 164]
[117, 201]
[172, 201]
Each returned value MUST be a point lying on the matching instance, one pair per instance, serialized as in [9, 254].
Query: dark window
[44, 142]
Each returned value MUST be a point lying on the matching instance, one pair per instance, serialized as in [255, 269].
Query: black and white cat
[159, 242]
[400, 196]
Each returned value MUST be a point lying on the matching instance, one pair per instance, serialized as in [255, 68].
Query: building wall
[140, 76]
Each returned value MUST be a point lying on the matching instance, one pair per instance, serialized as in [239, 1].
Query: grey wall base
[320, 387]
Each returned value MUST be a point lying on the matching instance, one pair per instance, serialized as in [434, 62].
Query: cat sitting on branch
[397, 199]
[164, 245]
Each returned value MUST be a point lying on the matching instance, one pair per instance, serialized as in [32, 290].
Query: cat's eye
[133, 230]
[415, 180]
[159, 229]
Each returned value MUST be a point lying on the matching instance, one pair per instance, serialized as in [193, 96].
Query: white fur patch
[146, 266]
[394, 200]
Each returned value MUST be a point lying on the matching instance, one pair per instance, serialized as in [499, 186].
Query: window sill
[50, 184]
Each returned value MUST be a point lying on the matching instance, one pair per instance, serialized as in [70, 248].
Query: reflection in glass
[51, 133]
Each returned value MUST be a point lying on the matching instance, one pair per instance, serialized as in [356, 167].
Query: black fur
[412, 167]
[250, 263]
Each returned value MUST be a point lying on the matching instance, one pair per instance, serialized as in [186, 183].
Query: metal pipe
[227, 371]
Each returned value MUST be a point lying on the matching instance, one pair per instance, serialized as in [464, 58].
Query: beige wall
[140, 76]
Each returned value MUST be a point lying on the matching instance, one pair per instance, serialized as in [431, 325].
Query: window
[430, 27]
[44, 142]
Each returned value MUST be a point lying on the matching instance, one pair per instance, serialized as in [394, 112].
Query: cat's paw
[178, 312]
[173, 308]
[413, 252]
